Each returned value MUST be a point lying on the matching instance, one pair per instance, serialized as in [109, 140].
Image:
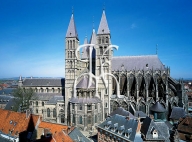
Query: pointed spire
[71, 31]
[84, 50]
[103, 26]
[93, 37]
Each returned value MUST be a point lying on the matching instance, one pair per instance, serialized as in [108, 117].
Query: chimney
[28, 112]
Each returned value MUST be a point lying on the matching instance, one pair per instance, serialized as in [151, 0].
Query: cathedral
[97, 83]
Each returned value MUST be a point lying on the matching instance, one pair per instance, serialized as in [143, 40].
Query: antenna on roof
[156, 48]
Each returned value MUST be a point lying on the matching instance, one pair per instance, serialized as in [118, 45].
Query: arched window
[62, 118]
[70, 44]
[107, 40]
[73, 43]
[88, 107]
[48, 112]
[41, 90]
[59, 90]
[103, 40]
[47, 90]
[42, 103]
[99, 40]
[42, 111]
[70, 54]
[54, 112]
[106, 105]
[71, 64]
[80, 107]
[36, 103]
[36, 110]
[80, 120]
[95, 118]
[53, 90]
[101, 50]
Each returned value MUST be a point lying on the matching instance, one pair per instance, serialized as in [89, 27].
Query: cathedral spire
[72, 31]
[93, 37]
[103, 26]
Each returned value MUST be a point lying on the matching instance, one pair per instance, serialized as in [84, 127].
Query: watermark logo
[89, 74]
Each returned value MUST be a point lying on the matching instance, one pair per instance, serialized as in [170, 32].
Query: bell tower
[72, 66]
[102, 57]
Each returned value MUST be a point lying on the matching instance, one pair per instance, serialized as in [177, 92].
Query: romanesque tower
[102, 57]
[71, 64]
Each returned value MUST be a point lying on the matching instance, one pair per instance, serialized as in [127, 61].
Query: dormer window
[121, 129]
[154, 132]
[108, 124]
[128, 132]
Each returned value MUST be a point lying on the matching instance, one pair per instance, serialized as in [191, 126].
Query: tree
[22, 98]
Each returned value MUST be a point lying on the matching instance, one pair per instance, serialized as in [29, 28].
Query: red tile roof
[53, 127]
[14, 122]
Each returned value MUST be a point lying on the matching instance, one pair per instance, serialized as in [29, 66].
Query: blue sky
[32, 32]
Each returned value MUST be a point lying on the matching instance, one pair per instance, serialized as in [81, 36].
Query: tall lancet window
[107, 40]
[101, 50]
[73, 44]
[48, 112]
[70, 44]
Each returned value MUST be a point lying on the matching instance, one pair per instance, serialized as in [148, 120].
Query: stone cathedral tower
[103, 41]
[71, 64]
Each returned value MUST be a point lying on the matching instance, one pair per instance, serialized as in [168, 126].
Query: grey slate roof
[177, 112]
[137, 63]
[157, 107]
[77, 136]
[85, 100]
[55, 99]
[55, 82]
[123, 112]
[45, 96]
[6, 91]
[119, 121]
[10, 104]
[103, 26]
[148, 125]
[141, 114]
[84, 82]
[72, 31]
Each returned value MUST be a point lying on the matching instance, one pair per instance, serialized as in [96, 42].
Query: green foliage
[22, 98]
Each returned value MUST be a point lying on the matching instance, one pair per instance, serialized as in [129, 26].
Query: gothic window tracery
[54, 112]
[48, 112]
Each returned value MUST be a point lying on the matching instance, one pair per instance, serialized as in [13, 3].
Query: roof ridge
[132, 56]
